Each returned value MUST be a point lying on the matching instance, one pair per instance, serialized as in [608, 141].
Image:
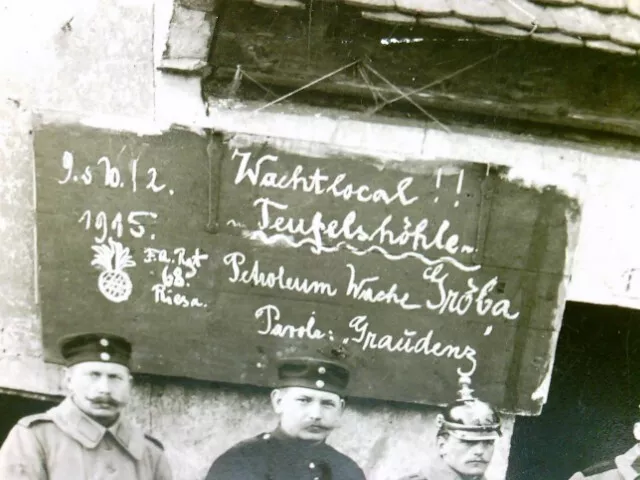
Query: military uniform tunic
[438, 470]
[274, 456]
[65, 444]
[624, 467]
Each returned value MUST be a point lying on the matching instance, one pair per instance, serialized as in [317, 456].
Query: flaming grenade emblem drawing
[114, 283]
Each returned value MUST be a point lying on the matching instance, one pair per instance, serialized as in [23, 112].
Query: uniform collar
[89, 433]
[628, 464]
[438, 470]
[280, 434]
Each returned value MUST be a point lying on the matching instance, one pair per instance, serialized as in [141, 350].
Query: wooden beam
[549, 114]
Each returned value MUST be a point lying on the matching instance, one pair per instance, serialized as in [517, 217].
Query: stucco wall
[96, 57]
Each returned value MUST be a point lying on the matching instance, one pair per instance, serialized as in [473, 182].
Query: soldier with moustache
[309, 402]
[467, 431]
[86, 436]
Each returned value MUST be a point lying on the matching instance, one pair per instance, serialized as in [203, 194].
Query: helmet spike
[465, 393]
[469, 418]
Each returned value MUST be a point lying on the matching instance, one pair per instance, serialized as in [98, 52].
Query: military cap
[95, 347]
[315, 373]
[469, 418]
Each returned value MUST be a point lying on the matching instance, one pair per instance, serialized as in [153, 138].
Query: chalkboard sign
[218, 255]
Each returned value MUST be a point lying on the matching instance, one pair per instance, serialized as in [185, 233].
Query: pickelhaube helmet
[469, 418]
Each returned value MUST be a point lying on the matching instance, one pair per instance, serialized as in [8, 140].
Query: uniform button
[312, 465]
[316, 478]
[319, 383]
[266, 436]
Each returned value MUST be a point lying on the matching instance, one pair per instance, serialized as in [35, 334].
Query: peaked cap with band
[316, 373]
[95, 347]
[469, 418]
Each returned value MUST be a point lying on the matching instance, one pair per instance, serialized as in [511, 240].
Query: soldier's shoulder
[252, 444]
[154, 441]
[260, 439]
[257, 442]
[605, 470]
[600, 467]
[31, 421]
[414, 476]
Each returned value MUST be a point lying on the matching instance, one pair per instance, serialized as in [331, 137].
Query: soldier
[623, 467]
[467, 431]
[309, 401]
[85, 436]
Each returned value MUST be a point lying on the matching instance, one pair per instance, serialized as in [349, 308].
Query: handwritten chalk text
[279, 279]
[410, 343]
[113, 175]
[365, 289]
[318, 183]
[166, 296]
[272, 327]
[412, 234]
[177, 256]
[116, 225]
[178, 269]
[460, 303]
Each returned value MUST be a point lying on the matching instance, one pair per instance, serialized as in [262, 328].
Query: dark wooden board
[253, 297]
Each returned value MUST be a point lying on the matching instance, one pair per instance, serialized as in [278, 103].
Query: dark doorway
[593, 399]
[14, 407]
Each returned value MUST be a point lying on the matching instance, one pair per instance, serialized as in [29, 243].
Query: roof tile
[605, 4]
[478, 10]
[279, 3]
[580, 21]
[394, 18]
[502, 30]
[608, 46]
[567, 22]
[453, 23]
[556, 37]
[434, 8]
[373, 4]
[633, 7]
[624, 30]
[557, 2]
[521, 13]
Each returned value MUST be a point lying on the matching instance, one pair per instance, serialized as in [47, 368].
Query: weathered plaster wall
[96, 57]
[87, 57]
